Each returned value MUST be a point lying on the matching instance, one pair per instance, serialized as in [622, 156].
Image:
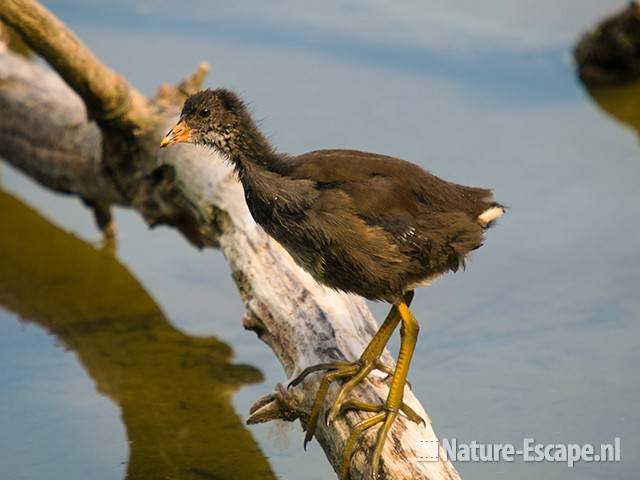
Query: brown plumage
[359, 222]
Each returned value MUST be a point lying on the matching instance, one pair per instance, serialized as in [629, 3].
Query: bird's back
[380, 184]
[390, 225]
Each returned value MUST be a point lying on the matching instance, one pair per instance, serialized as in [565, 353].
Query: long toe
[343, 370]
[384, 417]
[409, 412]
[346, 389]
[380, 441]
[316, 368]
[349, 447]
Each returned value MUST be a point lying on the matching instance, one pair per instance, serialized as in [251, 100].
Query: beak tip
[181, 133]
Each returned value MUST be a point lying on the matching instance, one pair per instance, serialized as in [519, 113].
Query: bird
[358, 222]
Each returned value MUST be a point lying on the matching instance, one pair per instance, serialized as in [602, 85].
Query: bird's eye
[204, 112]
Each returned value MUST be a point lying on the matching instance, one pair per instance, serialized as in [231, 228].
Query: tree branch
[108, 96]
[174, 95]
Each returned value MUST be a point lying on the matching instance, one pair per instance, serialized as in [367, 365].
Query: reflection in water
[622, 102]
[174, 391]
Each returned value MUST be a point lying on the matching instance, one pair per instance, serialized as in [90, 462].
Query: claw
[315, 368]
[412, 415]
[344, 370]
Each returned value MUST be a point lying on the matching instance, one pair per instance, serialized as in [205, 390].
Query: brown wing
[382, 186]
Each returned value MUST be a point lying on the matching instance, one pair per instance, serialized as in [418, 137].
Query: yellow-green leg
[378, 407]
[393, 404]
[355, 371]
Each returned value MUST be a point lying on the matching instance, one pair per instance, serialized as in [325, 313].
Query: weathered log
[45, 131]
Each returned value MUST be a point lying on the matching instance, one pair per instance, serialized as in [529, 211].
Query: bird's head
[215, 118]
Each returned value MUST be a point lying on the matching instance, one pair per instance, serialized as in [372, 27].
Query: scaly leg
[378, 407]
[393, 404]
[355, 371]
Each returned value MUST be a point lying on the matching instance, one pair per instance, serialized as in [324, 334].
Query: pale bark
[46, 132]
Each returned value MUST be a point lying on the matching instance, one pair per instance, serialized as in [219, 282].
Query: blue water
[538, 338]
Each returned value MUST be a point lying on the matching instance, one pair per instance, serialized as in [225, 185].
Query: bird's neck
[249, 150]
[261, 170]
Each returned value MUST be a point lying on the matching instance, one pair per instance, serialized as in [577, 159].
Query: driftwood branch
[109, 98]
[47, 132]
[170, 95]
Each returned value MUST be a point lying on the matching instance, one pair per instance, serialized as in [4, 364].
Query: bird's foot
[388, 369]
[409, 412]
[385, 415]
[354, 373]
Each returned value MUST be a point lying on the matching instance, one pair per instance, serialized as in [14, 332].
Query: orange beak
[181, 133]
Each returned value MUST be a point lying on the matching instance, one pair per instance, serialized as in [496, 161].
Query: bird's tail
[487, 218]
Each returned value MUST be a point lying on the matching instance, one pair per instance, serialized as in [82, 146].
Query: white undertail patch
[489, 215]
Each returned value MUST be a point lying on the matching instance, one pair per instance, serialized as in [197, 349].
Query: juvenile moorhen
[358, 222]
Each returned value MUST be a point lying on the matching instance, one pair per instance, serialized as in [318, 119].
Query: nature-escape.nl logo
[528, 451]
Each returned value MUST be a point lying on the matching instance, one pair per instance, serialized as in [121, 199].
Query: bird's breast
[286, 225]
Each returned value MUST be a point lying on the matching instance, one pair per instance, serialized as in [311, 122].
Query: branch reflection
[174, 391]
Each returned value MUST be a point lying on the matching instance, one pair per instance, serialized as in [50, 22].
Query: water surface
[538, 338]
